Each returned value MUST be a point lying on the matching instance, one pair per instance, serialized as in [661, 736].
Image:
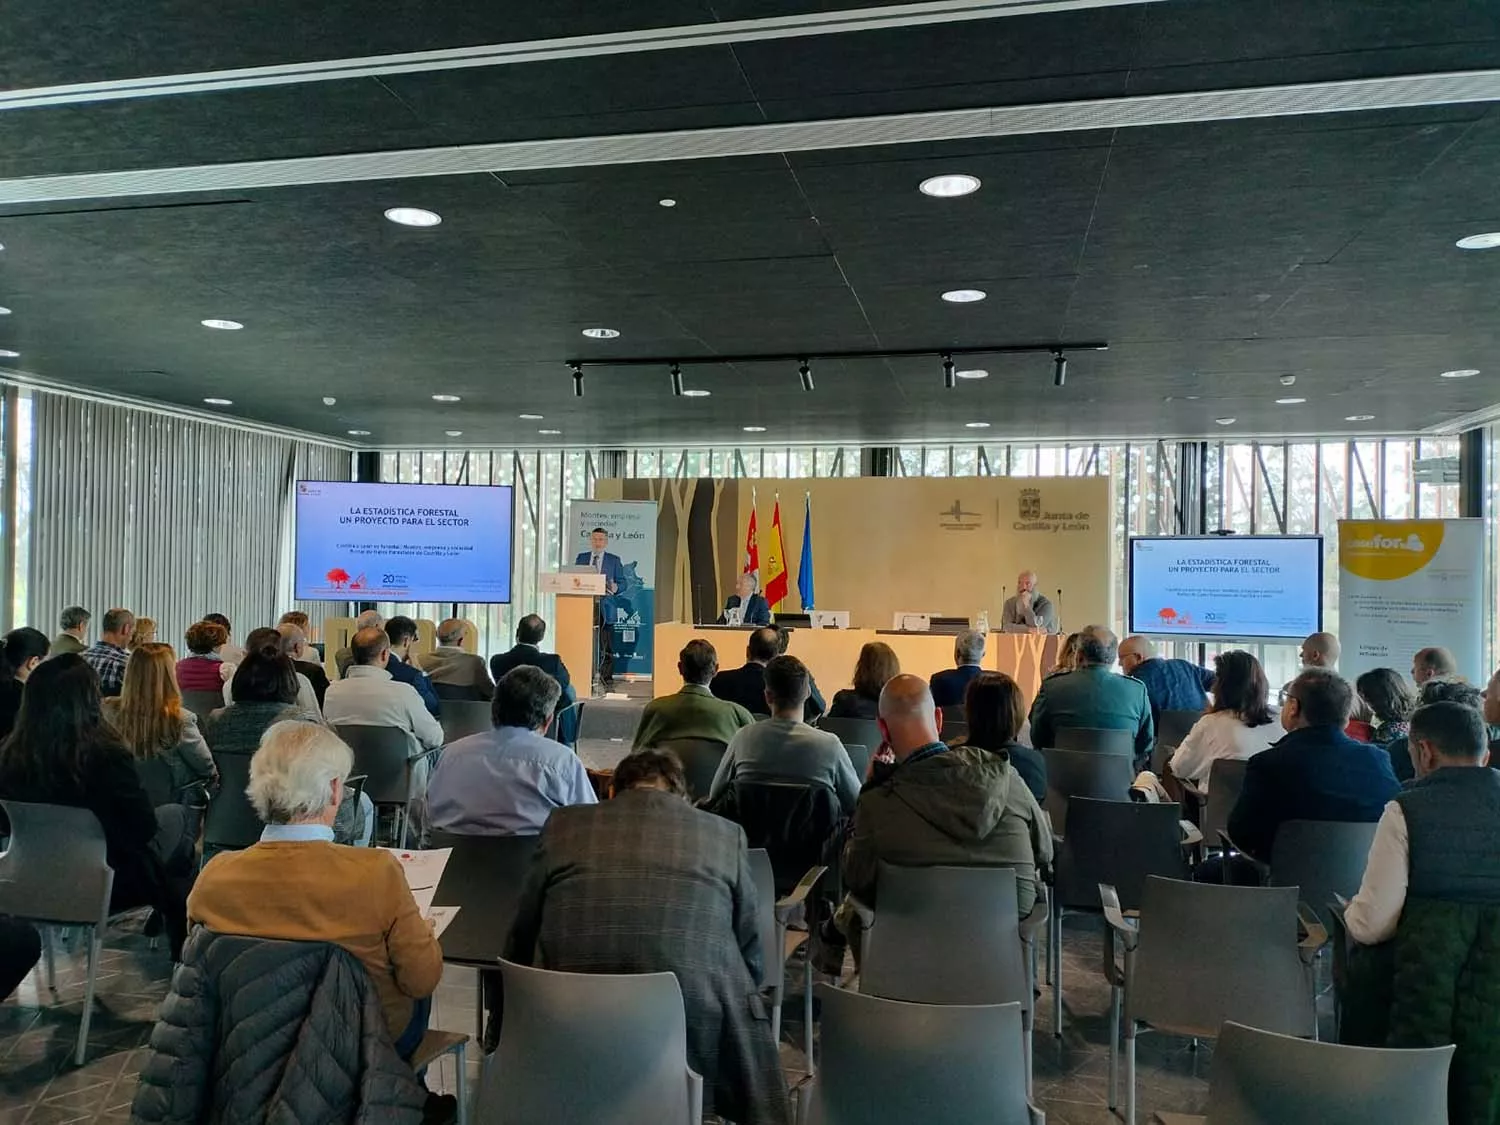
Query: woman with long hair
[21, 650]
[1240, 724]
[62, 752]
[877, 663]
[1390, 701]
[149, 717]
[995, 709]
[1067, 656]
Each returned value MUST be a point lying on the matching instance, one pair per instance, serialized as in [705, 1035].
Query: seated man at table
[531, 630]
[646, 883]
[783, 747]
[752, 608]
[507, 781]
[298, 885]
[692, 712]
[1093, 697]
[950, 685]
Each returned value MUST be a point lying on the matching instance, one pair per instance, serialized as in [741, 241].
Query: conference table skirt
[831, 653]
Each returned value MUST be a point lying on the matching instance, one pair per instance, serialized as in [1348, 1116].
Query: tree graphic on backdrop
[338, 576]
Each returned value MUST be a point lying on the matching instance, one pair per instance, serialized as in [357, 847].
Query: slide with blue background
[403, 542]
[1241, 587]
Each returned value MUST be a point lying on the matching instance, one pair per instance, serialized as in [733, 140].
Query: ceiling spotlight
[577, 369]
[805, 373]
[6, 353]
[359, 433]
[219, 401]
[552, 433]
[1059, 369]
[949, 186]
[753, 429]
[329, 400]
[964, 296]
[1288, 380]
[1480, 241]
[696, 392]
[1225, 421]
[601, 333]
[454, 433]
[413, 216]
[667, 202]
[948, 376]
[226, 325]
[1461, 373]
[973, 373]
[4, 311]
[447, 398]
[1290, 401]
[976, 425]
[1360, 418]
[676, 381]
[529, 417]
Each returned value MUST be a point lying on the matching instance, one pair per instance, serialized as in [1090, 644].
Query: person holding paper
[1029, 608]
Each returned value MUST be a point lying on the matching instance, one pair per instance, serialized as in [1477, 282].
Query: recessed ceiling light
[226, 325]
[1360, 418]
[600, 333]
[667, 202]
[359, 433]
[973, 373]
[6, 353]
[329, 400]
[4, 311]
[696, 392]
[1480, 241]
[754, 429]
[446, 398]
[1461, 373]
[964, 296]
[454, 433]
[1290, 401]
[219, 401]
[413, 216]
[976, 425]
[949, 185]
[529, 417]
[1225, 421]
[549, 432]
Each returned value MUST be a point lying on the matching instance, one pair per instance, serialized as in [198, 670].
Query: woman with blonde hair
[143, 634]
[149, 717]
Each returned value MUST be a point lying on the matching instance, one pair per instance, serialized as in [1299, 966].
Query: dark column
[1471, 453]
[877, 461]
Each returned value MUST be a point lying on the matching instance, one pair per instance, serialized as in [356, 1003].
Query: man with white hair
[951, 685]
[1029, 609]
[369, 619]
[1093, 697]
[456, 674]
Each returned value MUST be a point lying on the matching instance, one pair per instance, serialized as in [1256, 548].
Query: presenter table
[831, 653]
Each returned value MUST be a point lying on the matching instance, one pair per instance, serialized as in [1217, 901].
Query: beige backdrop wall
[950, 546]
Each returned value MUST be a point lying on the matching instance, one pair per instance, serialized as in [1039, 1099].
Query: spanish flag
[776, 583]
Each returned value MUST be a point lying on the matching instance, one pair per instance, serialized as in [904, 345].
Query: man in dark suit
[951, 685]
[403, 632]
[753, 608]
[1316, 772]
[746, 685]
[646, 883]
[607, 563]
[530, 632]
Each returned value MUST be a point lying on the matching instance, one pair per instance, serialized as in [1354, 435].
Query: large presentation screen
[1241, 587]
[403, 542]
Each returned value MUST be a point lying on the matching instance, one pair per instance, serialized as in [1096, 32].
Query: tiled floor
[40, 1085]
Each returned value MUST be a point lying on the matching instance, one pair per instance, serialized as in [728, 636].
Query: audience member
[106, 656]
[876, 665]
[816, 704]
[1433, 664]
[507, 781]
[746, 598]
[294, 645]
[1438, 691]
[229, 652]
[73, 627]
[296, 884]
[941, 805]
[298, 618]
[449, 666]
[531, 630]
[1067, 655]
[149, 718]
[1240, 724]
[1171, 685]
[62, 752]
[783, 747]
[144, 633]
[403, 633]
[995, 711]
[1316, 772]
[203, 670]
[746, 685]
[307, 697]
[21, 650]
[692, 712]
[645, 883]
[1320, 650]
[1092, 696]
[1390, 703]
[951, 685]
[344, 657]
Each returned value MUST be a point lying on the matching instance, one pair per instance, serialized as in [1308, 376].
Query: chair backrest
[978, 960]
[1210, 953]
[859, 758]
[483, 876]
[1084, 773]
[955, 715]
[1261, 1078]
[382, 754]
[889, 1062]
[1095, 740]
[1321, 858]
[55, 869]
[700, 758]
[460, 692]
[772, 958]
[463, 717]
[202, 703]
[791, 820]
[861, 732]
[155, 776]
[1118, 843]
[1173, 726]
[595, 1047]
[1226, 777]
[231, 821]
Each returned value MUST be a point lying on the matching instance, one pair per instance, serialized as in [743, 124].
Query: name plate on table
[587, 584]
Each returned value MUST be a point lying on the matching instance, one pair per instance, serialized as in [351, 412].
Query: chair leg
[807, 1011]
[1051, 969]
[479, 1009]
[95, 951]
[1114, 1046]
[776, 1019]
[51, 959]
[461, 1083]
[405, 820]
[1130, 1074]
[1057, 973]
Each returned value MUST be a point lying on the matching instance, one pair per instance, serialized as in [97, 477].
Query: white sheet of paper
[423, 870]
[441, 917]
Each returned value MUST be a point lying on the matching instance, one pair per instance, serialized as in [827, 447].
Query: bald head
[1433, 664]
[1135, 651]
[293, 640]
[1321, 650]
[909, 719]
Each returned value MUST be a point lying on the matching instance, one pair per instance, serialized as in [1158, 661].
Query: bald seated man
[1433, 664]
[940, 805]
[1321, 650]
[369, 619]
[1029, 608]
[1171, 685]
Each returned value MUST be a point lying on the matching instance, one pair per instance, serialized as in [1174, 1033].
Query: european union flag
[805, 567]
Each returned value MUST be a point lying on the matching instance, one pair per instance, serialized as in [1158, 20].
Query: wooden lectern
[574, 621]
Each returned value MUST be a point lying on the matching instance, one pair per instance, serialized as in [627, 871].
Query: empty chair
[1226, 777]
[861, 732]
[1201, 954]
[889, 1062]
[1261, 1078]
[461, 692]
[383, 756]
[1084, 773]
[774, 915]
[463, 717]
[1321, 858]
[700, 758]
[1118, 843]
[202, 703]
[1095, 740]
[231, 822]
[55, 872]
[590, 1049]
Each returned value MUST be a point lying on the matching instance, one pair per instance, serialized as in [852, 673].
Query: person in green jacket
[694, 712]
[1092, 695]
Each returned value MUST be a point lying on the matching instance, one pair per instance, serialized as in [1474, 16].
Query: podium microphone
[1058, 607]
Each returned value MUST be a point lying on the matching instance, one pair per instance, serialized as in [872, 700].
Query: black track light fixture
[805, 373]
[577, 369]
[950, 380]
[677, 380]
[1059, 369]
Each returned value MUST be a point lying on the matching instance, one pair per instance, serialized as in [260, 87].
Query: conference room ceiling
[1216, 259]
